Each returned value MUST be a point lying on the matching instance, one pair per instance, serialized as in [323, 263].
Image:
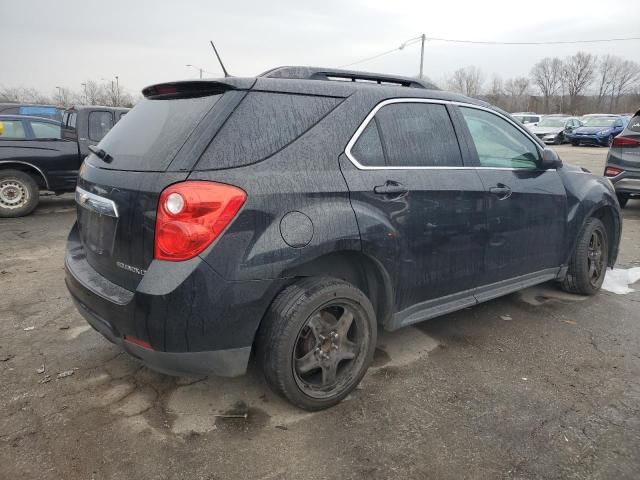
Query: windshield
[599, 122]
[552, 122]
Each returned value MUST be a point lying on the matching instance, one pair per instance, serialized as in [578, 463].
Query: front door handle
[501, 191]
[390, 188]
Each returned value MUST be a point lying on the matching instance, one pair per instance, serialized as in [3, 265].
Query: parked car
[527, 118]
[290, 215]
[554, 128]
[40, 154]
[45, 111]
[623, 162]
[597, 130]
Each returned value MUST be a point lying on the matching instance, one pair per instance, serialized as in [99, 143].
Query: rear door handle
[390, 188]
[501, 191]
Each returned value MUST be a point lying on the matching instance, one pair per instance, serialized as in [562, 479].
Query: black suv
[291, 214]
[623, 162]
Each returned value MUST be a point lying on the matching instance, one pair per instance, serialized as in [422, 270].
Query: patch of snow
[617, 280]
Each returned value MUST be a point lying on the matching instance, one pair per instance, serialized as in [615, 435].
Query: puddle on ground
[541, 294]
[214, 403]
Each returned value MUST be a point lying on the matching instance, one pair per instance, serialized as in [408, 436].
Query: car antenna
[224, 70]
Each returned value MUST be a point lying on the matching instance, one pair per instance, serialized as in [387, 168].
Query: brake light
[191, 215]
[626, 142]
[612, 171]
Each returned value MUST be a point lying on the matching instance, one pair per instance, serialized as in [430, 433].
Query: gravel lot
[538, 384]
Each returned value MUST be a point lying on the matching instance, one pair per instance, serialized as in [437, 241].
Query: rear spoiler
[196, 88]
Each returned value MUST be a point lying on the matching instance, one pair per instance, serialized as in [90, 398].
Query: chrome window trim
[372, 113]
[96, 203]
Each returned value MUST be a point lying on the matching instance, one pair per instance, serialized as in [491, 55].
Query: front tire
[317, 341]
[609, 140]
[588, 264]
[575, 144]
[19, 193]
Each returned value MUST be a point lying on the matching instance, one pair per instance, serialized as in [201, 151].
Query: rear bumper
[191, 320]
[225, 363]
[627, 182]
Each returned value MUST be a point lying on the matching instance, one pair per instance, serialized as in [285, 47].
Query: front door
[525, 204]
[420, 211]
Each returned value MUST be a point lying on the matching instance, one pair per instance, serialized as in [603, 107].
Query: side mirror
[550, 159]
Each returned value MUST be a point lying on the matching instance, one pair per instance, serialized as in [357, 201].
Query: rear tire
[19, 193]
[317, 341]
[575, 144]
[623, 198]
[588, 264]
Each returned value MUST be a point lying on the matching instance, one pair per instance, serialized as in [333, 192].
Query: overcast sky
[49, 43]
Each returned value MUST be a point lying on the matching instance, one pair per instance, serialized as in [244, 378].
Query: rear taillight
[191, 215]
[626, 142]
[612, 171]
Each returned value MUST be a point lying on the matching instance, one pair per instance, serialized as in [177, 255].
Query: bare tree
[604, 78]
[547, 76]
[625, 76]
[467, 81]
[518, 90]
[578, 74]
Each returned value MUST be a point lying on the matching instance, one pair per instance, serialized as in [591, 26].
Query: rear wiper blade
[100, 153]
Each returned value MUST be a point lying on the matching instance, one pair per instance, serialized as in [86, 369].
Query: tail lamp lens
[191, 215]
[626, 142]
[612, 171]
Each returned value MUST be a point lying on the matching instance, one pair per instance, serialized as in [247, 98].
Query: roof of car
[314, 81]
[29, 117]
[95, 107]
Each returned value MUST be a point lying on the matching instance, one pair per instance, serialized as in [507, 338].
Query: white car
[553, 128]
[527, 118]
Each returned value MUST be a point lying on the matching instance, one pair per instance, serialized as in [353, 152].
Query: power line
[487, 42]
[555, 42]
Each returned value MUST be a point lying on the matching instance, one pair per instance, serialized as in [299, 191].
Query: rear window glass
[368, 149]
[12, 130]
[99, 125]
[261, 125]
[46, 130]
[418, 135]
[149, 136]
[634, 124]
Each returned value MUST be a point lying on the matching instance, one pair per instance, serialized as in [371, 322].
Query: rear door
[420, 211]
[525, 204]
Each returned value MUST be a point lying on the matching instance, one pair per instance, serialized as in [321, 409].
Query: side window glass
[46, 130]
[368, 149]
[12, 130]
[72, 121]
[418, 135]
[99, 124]
[498, 143]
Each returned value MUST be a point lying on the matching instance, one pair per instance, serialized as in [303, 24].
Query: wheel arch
[38, 175]
[612, 224]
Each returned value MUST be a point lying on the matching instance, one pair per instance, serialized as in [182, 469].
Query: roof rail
[316, 73]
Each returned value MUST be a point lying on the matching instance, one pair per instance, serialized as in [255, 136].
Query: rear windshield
[149, 136]
[263, 124]
[634, 123]
[599, 121]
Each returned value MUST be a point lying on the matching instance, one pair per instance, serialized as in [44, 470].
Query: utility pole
[86, 97]
[117, 91]
[422, 40]
[60, 96]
